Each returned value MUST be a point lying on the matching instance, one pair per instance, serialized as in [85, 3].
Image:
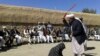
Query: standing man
[41, 38]
[86, 32]
[78, 35]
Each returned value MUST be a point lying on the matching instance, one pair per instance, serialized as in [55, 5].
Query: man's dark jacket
[78, 31]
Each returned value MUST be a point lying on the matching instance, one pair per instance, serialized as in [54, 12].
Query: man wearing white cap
[78, 35]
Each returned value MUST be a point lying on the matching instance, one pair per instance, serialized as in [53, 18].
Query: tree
[87, 10]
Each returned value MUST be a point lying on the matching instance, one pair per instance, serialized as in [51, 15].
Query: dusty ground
[43, 49]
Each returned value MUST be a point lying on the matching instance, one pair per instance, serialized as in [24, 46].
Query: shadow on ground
[5, 49]
[90, 54]
[90, 48]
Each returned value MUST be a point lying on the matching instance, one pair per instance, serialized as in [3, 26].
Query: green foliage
[87, 10]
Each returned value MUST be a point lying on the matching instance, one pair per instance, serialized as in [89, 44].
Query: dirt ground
[43, 49]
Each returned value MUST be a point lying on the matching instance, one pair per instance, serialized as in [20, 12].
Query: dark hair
[81, 19]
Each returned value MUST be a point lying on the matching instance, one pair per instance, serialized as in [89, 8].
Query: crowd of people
[41, 33]
[74, 31]
[45, 32]
[95, 32]
[7, 37]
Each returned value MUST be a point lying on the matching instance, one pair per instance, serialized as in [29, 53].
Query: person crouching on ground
[57, 50]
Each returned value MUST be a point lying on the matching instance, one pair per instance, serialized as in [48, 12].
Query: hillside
[17, 14]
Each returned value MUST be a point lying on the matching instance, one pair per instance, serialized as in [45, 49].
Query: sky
[64, 5]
